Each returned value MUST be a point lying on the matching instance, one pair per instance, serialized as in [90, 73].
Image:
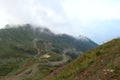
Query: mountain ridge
[23, 46]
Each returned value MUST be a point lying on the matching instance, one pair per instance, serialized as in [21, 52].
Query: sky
[97, 19]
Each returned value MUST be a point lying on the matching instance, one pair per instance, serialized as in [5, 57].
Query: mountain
[101, 63]
[23, 47]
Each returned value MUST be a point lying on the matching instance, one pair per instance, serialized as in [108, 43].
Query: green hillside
[23, 51]
[101, 63]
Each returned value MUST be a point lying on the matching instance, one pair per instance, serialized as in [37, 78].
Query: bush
[98, 53]
[6, 68]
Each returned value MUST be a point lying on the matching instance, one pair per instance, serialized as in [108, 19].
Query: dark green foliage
[72, 55]
[6, 68]
[98, 53]
[57, 50]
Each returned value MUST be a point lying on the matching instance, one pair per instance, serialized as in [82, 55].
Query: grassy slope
[101, 63]
[14, 49]
[17, 51]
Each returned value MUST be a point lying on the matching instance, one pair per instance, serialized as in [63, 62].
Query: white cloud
[75, 17]
[28, 11]
[87, 10]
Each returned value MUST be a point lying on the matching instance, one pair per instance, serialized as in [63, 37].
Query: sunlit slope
[101, 63]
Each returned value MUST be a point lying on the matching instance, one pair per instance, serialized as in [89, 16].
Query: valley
[59, 39]
[35, 53]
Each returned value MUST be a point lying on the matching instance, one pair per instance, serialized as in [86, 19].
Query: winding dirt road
[29, 72]
[55, 63]
[32, 70]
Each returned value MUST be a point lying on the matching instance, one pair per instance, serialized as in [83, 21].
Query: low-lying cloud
[97, 19]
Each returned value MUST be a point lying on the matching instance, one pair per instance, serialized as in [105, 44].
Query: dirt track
[32, 70]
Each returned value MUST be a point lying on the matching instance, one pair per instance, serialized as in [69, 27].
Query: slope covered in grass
[101, 63]
[20, 45]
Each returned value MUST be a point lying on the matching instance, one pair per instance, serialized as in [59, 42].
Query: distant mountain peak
[46, 31]
[83, 38]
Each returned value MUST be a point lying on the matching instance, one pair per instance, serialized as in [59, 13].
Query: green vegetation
[18, 53]
[43, 71]
[102, 62]
[6, 68]
[55, 57]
